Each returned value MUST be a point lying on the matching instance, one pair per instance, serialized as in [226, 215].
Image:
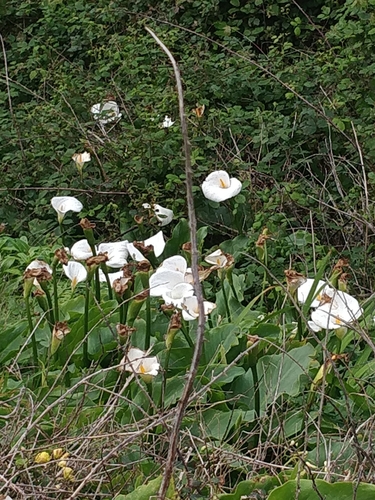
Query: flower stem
[55, 295]
[256, 389]
[32, 332]
[105, 271]
[86, 326]
[148, 323]
[186, 335]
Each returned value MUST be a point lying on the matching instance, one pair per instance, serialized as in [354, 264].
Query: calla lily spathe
[167, 122]
[164, 215]
[190, 310]
[81, 250]
[158, 242]
[178, 293]
[64, 204]
[117, 253]
[106, 112]
[338, 309]
[80, 159]
[218, 186]
[76, 272]
[137, 361]
[304, 290]
[217, 258]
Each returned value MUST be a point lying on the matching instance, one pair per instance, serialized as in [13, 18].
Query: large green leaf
[280, 373]
[304, 489]
[11, 340]
[262, 484]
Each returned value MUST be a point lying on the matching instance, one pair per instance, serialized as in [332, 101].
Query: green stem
[32, 332]
[148, 323]
[105, 271]
[256, 389]
[86, 326]
[51, 316]
[186, 335]
[97, 285]
[55, 295]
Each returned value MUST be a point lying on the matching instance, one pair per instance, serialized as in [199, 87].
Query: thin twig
[183, 403]
[7, 79]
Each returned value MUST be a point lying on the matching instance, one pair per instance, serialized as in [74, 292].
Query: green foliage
[314, 490]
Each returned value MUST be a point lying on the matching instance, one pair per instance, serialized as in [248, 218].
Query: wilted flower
[76, 272]
[106, 112]
[64, 204]
[218, 186]
[199, 110]
[167, 122]
[136, 361]
[164, 215]
[190, 309]
[68, 473]
[112, 276]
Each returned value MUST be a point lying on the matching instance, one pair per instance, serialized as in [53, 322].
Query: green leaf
[147, 491]
[280, 373]
[307, 490]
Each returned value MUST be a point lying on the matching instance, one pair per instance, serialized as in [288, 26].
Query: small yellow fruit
[68, 473]
[62, 463]
[42, 458]
[57, 453]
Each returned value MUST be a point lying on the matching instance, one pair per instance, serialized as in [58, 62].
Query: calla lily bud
[41, 299]
[136, 305]
[42, 458]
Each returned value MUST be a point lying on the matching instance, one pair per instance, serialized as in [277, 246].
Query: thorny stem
[197, 286]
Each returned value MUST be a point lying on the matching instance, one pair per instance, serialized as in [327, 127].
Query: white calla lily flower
[76, 272]
[217, 258]
[158, 242]
[136, 361]
[167, 122]
[304, 290]
[80, 159]
[164, 215]
[64, 204]
[218, 186]
[337, 309]
[190, 310]
[175, 263]
[134, 253]
[178, 293]
[117, 253]
[164, 280]
[106, 112]
[81, 250]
